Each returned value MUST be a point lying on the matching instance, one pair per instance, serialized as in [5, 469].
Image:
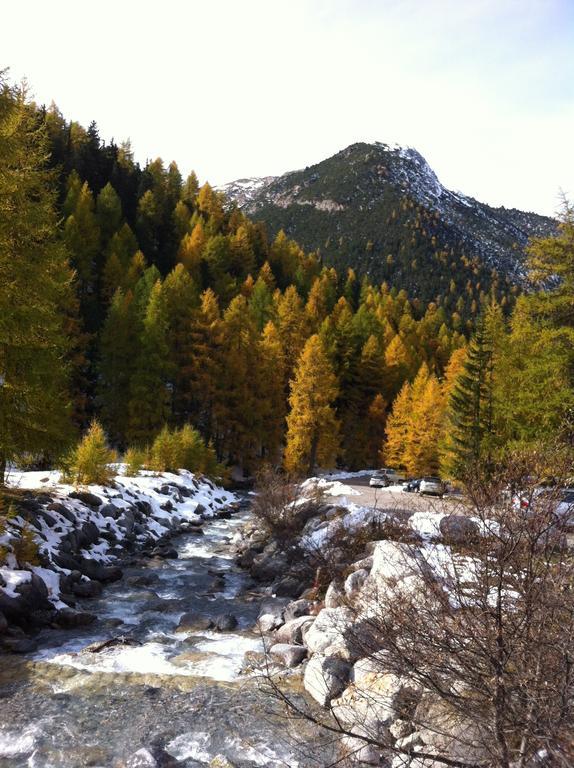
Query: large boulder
[445, 730]
[375, 702]
[287, 654]
[301, 607]
[29, 603]
[294, 632]
[354, 583]
[271, 614]
[86, 588]
[90, 499]
[335, 596]
[69, 619]
[267, 567]
[329, 629]
[398, 570]
[393, 561]
[226, 622]
[93, 569]
[143, 758]
[359, 752]
[288, 586]
[374, 664]
[194, 622]
[110, 510]
[325, 678]
[459, 529]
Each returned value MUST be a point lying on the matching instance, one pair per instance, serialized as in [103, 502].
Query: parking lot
[395, 497]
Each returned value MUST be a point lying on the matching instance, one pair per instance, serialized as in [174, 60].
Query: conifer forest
[146, 301]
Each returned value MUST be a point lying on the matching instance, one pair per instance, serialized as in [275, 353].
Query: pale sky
[484, 89]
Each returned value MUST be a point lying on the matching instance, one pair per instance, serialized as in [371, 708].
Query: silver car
[382, 478]
[433, 486]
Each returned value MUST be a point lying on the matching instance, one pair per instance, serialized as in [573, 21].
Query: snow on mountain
[351, 195]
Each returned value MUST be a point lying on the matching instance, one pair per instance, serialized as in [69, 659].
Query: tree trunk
[313, 452]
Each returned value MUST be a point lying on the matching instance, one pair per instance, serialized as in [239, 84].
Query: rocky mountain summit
[383, 211]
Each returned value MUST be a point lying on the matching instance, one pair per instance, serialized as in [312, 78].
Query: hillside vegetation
[143, 299]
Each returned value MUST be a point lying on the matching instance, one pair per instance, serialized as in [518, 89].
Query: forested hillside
[383, 211]
[148, 301]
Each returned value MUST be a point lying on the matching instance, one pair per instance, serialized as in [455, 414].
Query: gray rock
[299, 608]
[360, 753]
[288, 586]
[292, 631]
[287, 654]
[371, 665]
[194, 622]
[226, 622]
[458, 529]
[69, 619]
[401, 728]
[410, 741]
[63, 510]
[3, 624]
[271, 614]
[445, 730]
[365, 562]
[110, 510]
[375, 702]
[325, 678]
[90, 499]
[267, 567]
[87, 588]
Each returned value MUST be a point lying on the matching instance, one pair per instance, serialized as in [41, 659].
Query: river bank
[141, 686]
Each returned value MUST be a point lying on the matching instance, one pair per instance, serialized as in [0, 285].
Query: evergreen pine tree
[149, 405]
[35, 289]
[119, 349]
[470, 420]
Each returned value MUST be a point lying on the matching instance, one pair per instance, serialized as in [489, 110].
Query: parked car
[384, 477]
[412, 485]
[432, 485]
[565, 507]
[562, 500]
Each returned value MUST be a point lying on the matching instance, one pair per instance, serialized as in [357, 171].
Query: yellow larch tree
[397, 428]
[312, 425]
[421, 455]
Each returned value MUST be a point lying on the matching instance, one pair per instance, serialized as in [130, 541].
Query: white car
[561, 499]
[382, 478]
[432, 485]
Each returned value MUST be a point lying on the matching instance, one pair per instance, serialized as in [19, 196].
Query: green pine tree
[35, 289]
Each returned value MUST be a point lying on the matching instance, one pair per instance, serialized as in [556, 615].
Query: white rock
[293, 631]
[360, 753]
[375, 701]
[335, 596]
[325, 677]
[374, 664]
[328, 629]
[354, 582]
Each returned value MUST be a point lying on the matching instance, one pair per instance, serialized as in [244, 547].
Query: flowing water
[194, 695]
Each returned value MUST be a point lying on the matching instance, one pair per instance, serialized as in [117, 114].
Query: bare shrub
[279, 507]
[469, 655]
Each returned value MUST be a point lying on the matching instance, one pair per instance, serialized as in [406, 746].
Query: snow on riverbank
[91, 526]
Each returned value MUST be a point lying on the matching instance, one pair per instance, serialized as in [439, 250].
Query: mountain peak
[371, 201]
